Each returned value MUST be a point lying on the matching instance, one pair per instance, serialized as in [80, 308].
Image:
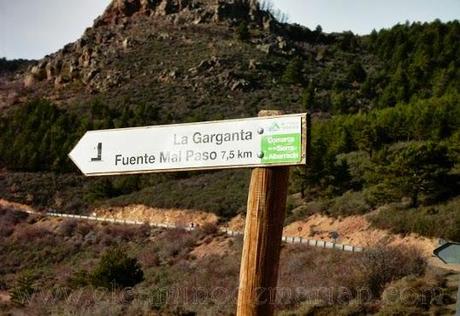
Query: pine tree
[308, 97]
[117, 269]
[417, 169]
[293, 72]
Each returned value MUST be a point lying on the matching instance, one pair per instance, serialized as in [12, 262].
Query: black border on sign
[305, 148]
[442, 247]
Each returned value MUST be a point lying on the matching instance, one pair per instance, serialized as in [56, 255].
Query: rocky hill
[190, 47]
[128, 25]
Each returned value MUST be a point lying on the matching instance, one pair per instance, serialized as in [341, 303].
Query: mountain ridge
[109, 34]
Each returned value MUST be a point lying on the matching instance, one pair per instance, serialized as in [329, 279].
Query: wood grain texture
[262, 240]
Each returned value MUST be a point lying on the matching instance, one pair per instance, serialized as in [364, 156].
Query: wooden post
[262, 239]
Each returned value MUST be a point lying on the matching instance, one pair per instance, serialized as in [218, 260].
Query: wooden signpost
[269, 143]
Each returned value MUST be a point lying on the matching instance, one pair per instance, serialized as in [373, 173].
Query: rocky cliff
[117, 30]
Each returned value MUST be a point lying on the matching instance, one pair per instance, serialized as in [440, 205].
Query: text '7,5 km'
[252, 142]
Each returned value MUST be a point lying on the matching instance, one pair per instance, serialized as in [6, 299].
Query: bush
[293, 72]
[438, 221]
[175, 244]
[209, 229]
[6, 230]
[31, 233]
[242, 31]
[116, 269]
[382, 265]
[23, 289]
[67, 227]
[83, 228]
[80, 278]
[121, 232]
[350, 203]
[303, 211]
[413, 293]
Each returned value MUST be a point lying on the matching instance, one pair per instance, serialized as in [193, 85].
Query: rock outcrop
[194, 10]
[108, 38]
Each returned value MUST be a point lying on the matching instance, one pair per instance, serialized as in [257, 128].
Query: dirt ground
[16, 206]
[4, 297]
[352, 230]
[356, 230]
[155, 215]
[219, 246]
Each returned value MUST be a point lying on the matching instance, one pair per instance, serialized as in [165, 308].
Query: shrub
[209, 229]
[79, 279]
[412, 292]
[6, 230]
[242, 31]
[117, 269]
[23, 289]
[293, 72]
[67, 227]
[349, 203]
[31, 233]
[122, 232]
[2, 284]
[149, 257]
[382, 265]
[175, 244]
[303, 211]
[356, 72]
[12, 216]
[438, 221]
[83, 228]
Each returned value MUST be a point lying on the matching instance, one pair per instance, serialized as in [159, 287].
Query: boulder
[29, 81]
[266, 48]
[126, 43]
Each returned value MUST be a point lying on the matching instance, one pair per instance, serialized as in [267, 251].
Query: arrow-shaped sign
[262, 141]
[448, 252]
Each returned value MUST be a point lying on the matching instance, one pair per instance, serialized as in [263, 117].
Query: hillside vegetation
[385, 107]
[73, 267]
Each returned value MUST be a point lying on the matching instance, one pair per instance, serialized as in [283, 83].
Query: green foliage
[44, 134]
[434, 119]
[293, 73]
[441, 220]
[420, 60]
[242, 31]
[416, 169]
[382, 265]
[308, 97]
[350, 203]
[223, 193]
[42, 137]
[357, 73]
[116, 269]
[22, 291]
[13, 65]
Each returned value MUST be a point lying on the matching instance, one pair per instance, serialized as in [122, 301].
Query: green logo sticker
[281, 148]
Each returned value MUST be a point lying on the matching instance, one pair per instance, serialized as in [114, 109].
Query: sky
[33, 28]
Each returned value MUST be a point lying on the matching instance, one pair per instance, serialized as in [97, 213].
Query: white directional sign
[261, 141]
